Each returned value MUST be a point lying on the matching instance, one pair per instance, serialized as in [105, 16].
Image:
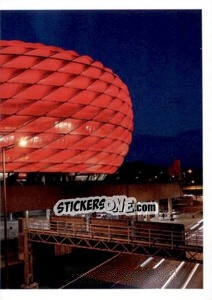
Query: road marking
[190, 276]
[84, 274]
[146, 262]
[188, 226]
[159, 263]
[190, 236]
[173, 275]
[194, 226]
[114, 284]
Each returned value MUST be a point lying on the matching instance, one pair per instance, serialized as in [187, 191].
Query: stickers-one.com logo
[115, 205]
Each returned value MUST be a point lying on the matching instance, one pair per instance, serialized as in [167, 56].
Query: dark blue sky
[156, 53]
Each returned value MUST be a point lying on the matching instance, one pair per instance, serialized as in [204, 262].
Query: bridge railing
[107, 232]
[194, 238]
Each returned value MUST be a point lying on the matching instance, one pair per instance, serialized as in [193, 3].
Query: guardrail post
[74, 230]
[196, 241]
[128, 234]
[58, 227]
[109, 237]
[91, 231]
[149, 236]
[172, 239]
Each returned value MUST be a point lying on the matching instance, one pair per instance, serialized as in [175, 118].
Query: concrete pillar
[11, 216]
[43, 180]
[169, 207]
[48, 211]
[26, 214]
[87, 218]
[28, 263]
[157, 214]
[148, 218]
[139, 217]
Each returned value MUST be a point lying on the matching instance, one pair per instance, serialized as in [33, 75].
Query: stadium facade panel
[74, 113]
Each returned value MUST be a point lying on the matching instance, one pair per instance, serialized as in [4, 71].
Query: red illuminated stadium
[74, 113]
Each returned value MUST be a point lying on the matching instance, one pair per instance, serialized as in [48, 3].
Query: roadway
[141, 271]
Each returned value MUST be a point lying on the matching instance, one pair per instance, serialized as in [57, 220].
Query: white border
[107, 4]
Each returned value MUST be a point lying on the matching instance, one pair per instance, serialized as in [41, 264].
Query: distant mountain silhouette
[187, 146]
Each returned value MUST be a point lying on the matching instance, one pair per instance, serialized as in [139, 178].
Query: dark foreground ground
[97, 269]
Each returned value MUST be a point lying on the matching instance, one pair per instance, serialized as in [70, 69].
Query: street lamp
[22, 143]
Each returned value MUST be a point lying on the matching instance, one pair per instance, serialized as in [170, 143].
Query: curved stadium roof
[75, 114]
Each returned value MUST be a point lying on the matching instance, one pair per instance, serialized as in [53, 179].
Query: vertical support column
[148, 218]
[27, 275]
[48, 211]
[169, 207]
[157, 214]
[87, 222]
[5, 220]
[139, 217]
[28, 259]
[11, 216]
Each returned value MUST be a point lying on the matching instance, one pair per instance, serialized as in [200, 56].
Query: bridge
[104, 237]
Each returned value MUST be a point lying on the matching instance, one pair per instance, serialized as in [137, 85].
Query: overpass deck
[122, 239]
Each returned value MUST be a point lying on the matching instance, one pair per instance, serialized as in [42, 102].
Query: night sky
[156, 53]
